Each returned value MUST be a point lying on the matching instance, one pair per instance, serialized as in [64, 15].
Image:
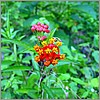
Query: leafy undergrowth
[75, 77]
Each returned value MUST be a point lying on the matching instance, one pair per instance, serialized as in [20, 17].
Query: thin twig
[62, 86]
[75, 93]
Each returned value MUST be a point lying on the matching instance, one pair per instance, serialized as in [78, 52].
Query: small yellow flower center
[55, 49]
[36, 47]
[37, 59]
[48, 50]
[40, 51]
[44, 43]
[54, 62]
[59, 43]
[52, 40]
[62, 56]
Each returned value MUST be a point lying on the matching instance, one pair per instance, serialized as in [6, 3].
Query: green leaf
[15, 86]
[95, 96]
[72, 70]
[49, 80]
[9, 82]
[26, 59]
[29, 21]
[6, 95]
[7, 62]
[86, 72]
[62, 35]
[95, 54]
[31, 80]
[74, 29]
[29, 91]
[94, 82]
[96, 41]
[73, 86]
[18, 72]
[62, 68]
[34, 63]
[70, 23]
[85, 94]
[64, 77]
[14, 68]
[3, 82]
[33, 94]
[79, 81]
[20, 43]
[3, 33]
[75, 17]
[35, 21]
[58, 92]
[43, 20]
[5, 50]
[66, 50]
[61, 64]
[8, 25]
[13, 34]
[25, 90]
[86, 8]
[51, 34]
[49, 91]
[84, 44]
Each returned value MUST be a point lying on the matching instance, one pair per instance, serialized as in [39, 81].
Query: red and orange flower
[49, 53]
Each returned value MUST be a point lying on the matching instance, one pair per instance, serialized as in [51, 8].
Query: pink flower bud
[38, 29]
[35, 26]
[41, 29]
[39, 37]
[43, 38]
[46, 26]
[38, 23]
[44, 29]
[47, 31]
[42, 25]
[33, 29]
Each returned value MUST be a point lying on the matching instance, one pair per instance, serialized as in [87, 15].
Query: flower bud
[40, 29]
[39, 23]
[46, 26]
[43, 38]
[42, 25]
[33, 25]
[47, 31]
[33, 29]
[36, 26]
[44, 29]
[39, 37]
[47, 63]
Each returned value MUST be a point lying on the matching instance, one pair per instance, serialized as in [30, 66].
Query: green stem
[25, 81]
[42, 73]
[15, 52]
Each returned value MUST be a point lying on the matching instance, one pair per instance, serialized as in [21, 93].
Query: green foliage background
[77, 26]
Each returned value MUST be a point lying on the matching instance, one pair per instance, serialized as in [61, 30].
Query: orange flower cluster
[49, 53]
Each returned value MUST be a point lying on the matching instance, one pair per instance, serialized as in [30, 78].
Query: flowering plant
[48, 51]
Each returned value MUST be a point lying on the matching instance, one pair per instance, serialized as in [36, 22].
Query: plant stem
[24, 78]
[75, 93]
[15, 52]
[42, 74]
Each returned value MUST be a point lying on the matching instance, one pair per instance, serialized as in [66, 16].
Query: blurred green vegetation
[77, 26]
